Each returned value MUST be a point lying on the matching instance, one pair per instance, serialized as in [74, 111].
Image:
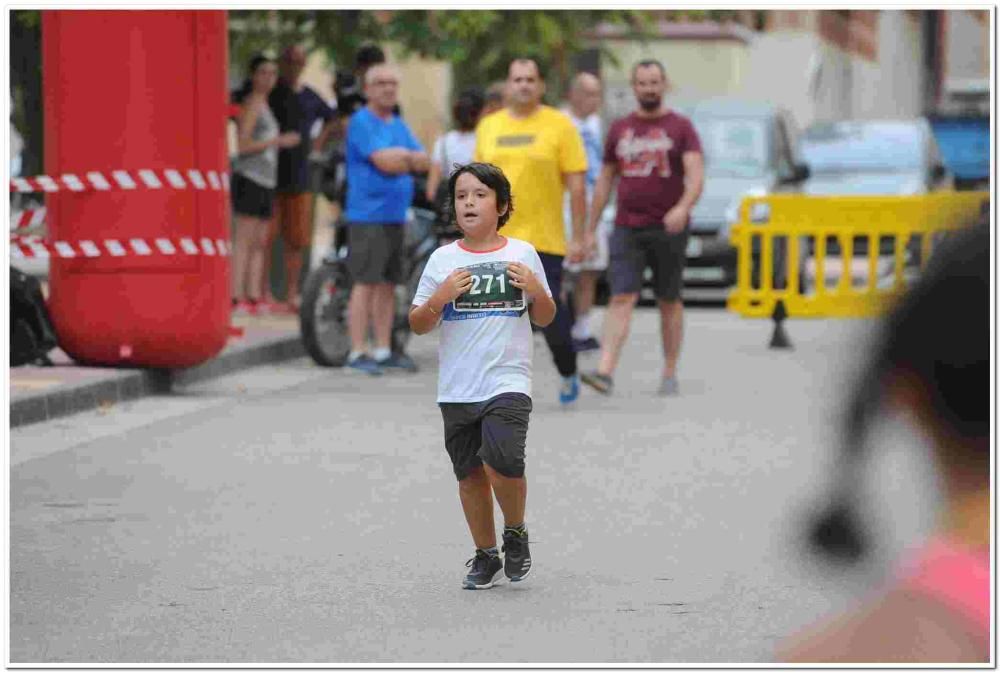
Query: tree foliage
[479, 44]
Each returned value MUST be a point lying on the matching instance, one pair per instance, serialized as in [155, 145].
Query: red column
[137, 90]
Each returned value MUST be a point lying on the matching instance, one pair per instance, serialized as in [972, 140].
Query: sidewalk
[43, 393]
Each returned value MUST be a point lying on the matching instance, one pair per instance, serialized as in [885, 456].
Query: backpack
[32, 335]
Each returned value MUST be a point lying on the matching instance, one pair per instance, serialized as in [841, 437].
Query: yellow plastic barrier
[793, 236]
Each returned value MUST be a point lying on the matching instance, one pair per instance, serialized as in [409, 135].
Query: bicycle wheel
[323, 315]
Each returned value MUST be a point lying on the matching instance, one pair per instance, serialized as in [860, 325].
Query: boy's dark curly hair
[492, 177]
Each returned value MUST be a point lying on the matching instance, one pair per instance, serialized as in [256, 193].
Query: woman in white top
[455, 146]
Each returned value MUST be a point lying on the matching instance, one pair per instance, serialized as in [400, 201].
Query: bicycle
[323, 313]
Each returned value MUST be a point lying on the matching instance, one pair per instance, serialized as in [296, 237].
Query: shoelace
[479, 561]
[515, 541]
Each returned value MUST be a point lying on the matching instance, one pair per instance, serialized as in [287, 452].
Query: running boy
[484, 288]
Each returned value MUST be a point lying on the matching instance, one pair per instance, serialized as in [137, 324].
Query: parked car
[750, 149]
[873, 157]
[894, 157]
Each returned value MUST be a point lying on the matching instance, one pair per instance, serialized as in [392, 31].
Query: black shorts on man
[494, 432]
[632, 249]
[375, 253]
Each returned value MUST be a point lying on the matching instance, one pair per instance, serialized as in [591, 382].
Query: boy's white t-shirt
[482, 353]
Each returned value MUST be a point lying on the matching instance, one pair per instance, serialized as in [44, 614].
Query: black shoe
[484, 569]
[588, 344]
[516, 557]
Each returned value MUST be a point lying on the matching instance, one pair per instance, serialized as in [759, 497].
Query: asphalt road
[291, 514]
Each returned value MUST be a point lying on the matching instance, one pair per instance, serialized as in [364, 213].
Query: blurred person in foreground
[297, 107]
[931, 364]
[583, 104]
[382, 155]
[454, 147]
[539, 150]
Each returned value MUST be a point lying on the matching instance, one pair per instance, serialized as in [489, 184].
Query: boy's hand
[455, 285]
[524, 279]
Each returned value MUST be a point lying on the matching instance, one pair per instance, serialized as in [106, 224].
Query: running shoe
[602, 383]
[483, 570]
[668, 387]
[398, 361]
[570, 389]
[588, 344]
[364, 363]
[516, 557]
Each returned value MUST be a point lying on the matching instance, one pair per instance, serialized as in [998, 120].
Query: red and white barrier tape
[169, 178]
[27, 219]
[35, 247]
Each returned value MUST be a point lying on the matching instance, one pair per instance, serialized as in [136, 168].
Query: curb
[124, 385]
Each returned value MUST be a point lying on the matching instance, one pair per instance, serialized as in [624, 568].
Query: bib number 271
[487, 283]
[491, 290]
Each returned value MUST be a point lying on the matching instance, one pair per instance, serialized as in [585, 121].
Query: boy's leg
[504, 434]
[477, 503]
[511, 493]
[462, 439]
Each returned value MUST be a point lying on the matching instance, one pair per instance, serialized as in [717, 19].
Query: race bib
[491, 290]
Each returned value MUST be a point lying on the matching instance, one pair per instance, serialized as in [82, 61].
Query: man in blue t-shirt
[381, 155]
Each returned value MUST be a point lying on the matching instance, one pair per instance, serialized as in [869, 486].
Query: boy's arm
[428, 306]
[425, 317]
[542, 311]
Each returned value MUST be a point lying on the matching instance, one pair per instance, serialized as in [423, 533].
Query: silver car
[871, 158]
[750, 149]
[898, 157]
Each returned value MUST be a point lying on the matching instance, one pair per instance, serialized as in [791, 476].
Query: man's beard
[650, 104]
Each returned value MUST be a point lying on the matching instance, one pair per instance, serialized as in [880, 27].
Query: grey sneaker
[668, 387]
[516, 555]
[599, 382]
[483, 570]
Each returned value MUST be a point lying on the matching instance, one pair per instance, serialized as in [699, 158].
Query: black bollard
[779, 339]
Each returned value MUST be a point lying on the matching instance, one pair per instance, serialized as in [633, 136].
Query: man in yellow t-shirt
[541, 153]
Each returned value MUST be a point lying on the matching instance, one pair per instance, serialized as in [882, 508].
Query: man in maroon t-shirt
[656, 155]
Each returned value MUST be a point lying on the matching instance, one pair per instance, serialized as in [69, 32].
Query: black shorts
[251, 199]
[492, 432]
[634, 249]
[375, 253]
